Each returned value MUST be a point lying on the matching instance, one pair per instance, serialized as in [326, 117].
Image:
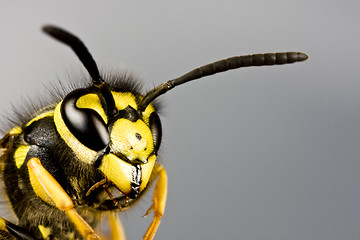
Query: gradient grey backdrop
[257, 153]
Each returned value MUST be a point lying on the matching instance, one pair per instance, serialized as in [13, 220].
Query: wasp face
[123, 147]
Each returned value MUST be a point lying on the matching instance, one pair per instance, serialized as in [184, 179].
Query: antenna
[87, 60]
[222, 66]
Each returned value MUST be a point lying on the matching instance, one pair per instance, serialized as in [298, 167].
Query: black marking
[129, 113]
[138, 136]
[156, 130]
[100, 156]
[41, 133]
[136, 182]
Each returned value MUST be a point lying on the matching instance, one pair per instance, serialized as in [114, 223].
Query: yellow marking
[146, 171]
[118, 171]
[124, 99]
[146, 114]
[40, 116]
[160, 195]
[116, 228]
[123, 138]
[71, 236]
[83, 153]
[3, 224]
[92, 101]
[45, 231]
[15, 131]
[20, 155]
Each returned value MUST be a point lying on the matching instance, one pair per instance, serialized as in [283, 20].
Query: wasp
[94, 152]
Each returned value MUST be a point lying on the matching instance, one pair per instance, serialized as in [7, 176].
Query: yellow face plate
[132, 139]
[120, 172]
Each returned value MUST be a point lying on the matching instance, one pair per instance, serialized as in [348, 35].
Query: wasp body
[93, 152]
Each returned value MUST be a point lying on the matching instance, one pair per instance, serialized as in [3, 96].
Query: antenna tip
[48, 28]
[302, 56]
[53, 31]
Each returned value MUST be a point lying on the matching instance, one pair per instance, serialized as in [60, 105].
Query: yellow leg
[117, 230]
[60, 198]
[158, 206]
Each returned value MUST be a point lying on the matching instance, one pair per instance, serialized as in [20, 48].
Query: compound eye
[155, 127]
[84, 123]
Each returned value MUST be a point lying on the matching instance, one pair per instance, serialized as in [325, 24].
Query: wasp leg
[95, 186]
[117, 230]
[61, 200]
[9, 230]
[158, 206]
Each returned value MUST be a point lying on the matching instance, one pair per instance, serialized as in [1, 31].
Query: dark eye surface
[155, 127]
[84, 123]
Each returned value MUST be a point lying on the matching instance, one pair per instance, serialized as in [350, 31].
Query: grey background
[256, 153]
